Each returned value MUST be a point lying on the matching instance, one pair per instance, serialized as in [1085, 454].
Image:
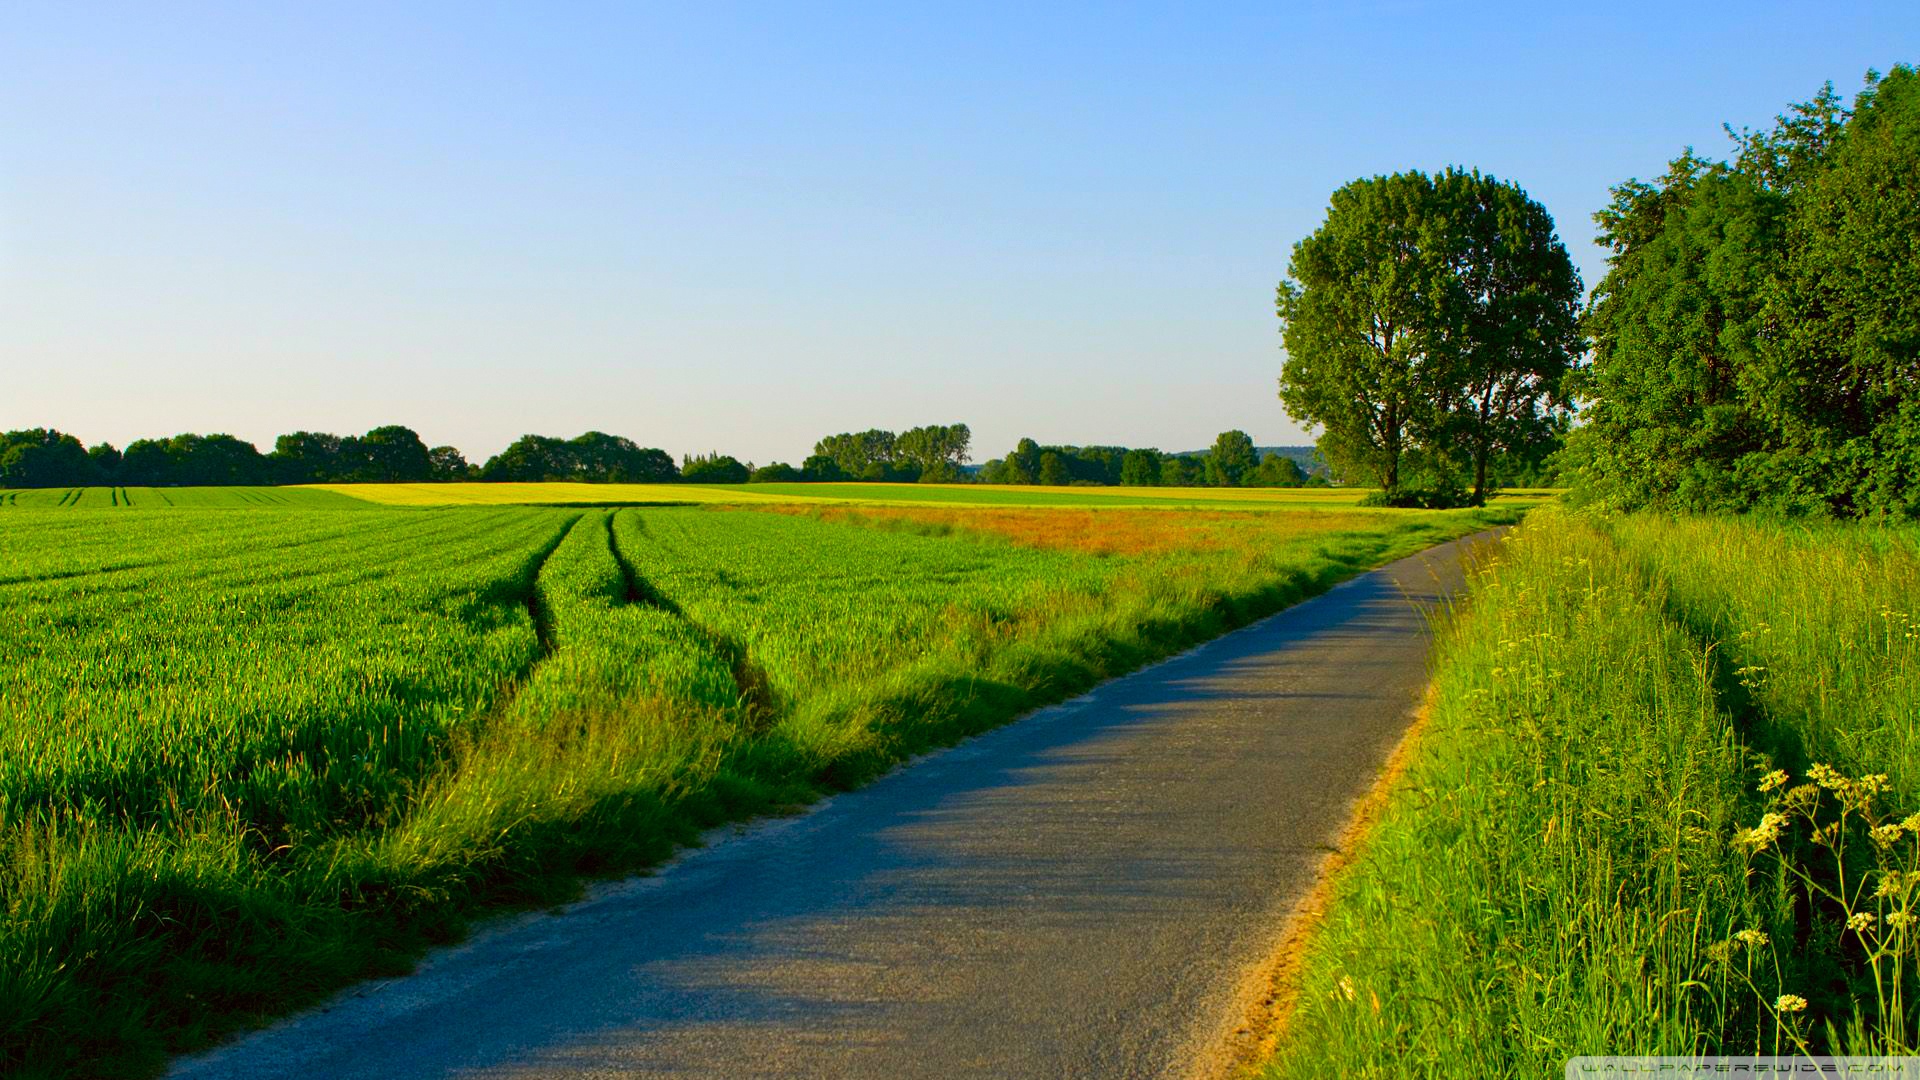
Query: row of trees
[1756, 339]
[594, 457]
[41, 457]
[933, 454]
[1429, 324]
[394, 454]
[1232, 462]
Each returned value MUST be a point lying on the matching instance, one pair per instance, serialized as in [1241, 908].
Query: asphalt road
[1079, 894]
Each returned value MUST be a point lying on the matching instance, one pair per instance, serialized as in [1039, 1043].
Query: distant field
[923, 494]
[563, 494]
[157, 498]
[250, 754]
[573, 494]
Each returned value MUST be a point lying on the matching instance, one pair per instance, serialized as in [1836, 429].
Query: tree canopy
[1431, 319]
[1232, 460]
[713, 468]
[776, 473]
[592, 457]
[40, 457]
[194, 460]
[1757, 334]
[934, 453]
[1140, 468]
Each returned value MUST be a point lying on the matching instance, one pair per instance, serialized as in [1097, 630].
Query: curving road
[1079, 894]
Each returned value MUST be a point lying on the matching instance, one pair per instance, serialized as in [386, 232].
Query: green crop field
[252, 751]
[152, 498]
[1661, 807]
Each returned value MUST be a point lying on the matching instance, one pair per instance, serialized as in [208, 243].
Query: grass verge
[1645, 818]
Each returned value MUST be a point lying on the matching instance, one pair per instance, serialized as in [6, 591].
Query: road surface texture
[1078, 894]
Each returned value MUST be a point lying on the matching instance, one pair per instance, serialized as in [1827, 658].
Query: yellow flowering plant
[1868, 880]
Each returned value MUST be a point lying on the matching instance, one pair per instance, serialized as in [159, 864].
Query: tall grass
[1643, 817]
[1819, 623]
[195, 708]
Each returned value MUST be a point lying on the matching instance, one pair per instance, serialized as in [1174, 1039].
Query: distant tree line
[1756, 339]
[594, 457]
[40, 457]
[1233, 461]
[934, 454]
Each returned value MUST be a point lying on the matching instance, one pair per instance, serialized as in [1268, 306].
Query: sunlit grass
[522, 494]
[1132, 530]
[583, 494]
[1612, 838]
[905, 494]
[151, 498]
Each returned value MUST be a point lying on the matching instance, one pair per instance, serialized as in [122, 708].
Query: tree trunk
[1390, 479]
[1483, 446]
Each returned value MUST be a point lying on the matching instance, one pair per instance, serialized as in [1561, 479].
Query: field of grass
[160, 498]
[1038, 495]
[1591, 850]
[562, 494]
[249, 755]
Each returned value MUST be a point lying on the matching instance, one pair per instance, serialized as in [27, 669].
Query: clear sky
[739, 227]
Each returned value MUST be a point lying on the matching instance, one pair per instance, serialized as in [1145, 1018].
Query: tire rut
[757, 695]
[526, 592]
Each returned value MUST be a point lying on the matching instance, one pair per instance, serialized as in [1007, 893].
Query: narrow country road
[1079, 894]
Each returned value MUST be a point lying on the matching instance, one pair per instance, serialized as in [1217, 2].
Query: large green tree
[1757, 335]
[1140, 468]
[1841, 361]
[40, 457]
[864, 455]
[1232, 459]
[530, 459]
[1435, 314]
[936, 451]
[597, 456]
[1023, 464]
[393, 454]
[1053, 469]
[194, 460]
[449, 464]
[1359, 324]
[1675, 324]
[307, 457]
[1510, 320]
[713, 468]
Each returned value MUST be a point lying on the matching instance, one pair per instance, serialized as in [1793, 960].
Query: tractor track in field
[526, 593]
[1098, 890]
[755, 688]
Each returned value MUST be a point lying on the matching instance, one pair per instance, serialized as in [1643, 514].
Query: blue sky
[741, 227]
